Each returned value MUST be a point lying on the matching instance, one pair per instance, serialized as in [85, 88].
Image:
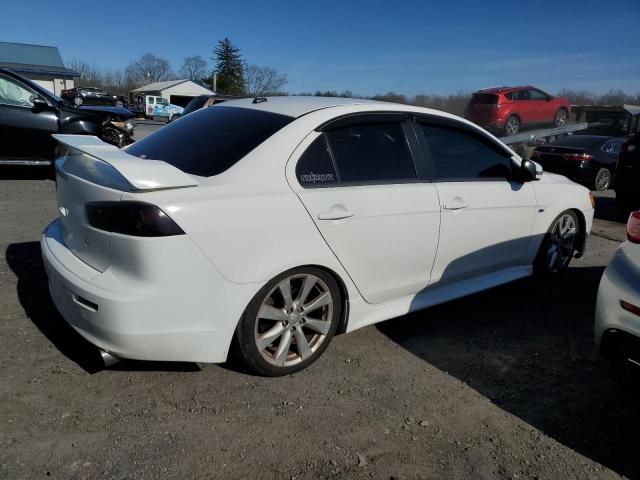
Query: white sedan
[267, 225]
[617, 324]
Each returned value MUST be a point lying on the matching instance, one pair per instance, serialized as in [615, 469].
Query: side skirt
[362, 314]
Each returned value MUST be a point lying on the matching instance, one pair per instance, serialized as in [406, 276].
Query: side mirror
[39, 103]
[529, 171]
[549, 98]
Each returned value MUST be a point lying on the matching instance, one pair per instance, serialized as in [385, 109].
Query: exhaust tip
[108, 359]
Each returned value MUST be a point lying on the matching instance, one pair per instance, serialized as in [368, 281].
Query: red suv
[506, 109]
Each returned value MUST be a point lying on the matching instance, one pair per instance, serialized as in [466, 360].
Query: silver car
[617, 323]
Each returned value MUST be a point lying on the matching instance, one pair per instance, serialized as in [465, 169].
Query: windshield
[211, 140]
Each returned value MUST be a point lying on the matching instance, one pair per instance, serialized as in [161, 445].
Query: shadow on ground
[26, 172]
[33, 292]
[528, 347]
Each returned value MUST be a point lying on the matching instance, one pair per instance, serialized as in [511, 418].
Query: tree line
[232, 74]
[235, 76]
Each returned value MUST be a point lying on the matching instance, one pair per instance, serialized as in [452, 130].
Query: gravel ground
[504, 384]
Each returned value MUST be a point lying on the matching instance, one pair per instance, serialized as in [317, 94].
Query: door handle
[456, 206]
[335, 215]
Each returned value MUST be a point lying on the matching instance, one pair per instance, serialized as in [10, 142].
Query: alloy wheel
[512, 126]
[603, 180]
[562, 240]
[561, 118]
[293, 320]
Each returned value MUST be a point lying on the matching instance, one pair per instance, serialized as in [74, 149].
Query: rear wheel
[512, 125]
[559, 244]
[602, 180]
[290, 322]
[561, 118]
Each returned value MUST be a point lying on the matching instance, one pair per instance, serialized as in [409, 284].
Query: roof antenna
[259, 99]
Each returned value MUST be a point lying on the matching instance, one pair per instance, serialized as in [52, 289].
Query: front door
[359, 184]
[25, 133]
[487, 217]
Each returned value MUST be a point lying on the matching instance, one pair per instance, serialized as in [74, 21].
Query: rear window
[209, 141]
[484, 99]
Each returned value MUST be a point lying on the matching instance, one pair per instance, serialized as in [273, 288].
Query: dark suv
[627, 180]
[507, 109]
[29, 114]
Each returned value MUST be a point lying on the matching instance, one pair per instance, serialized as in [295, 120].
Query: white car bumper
[617, 330]
[183, 310]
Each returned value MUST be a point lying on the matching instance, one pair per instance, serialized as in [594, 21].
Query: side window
[520, 95]
[370, 153]
[510, 96]
[459, 156]
[612, 147]
[152, 100]
[315, 167]
[13, 93]
[537, 95]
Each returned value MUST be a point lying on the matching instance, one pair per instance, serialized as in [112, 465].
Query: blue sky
[367, 47]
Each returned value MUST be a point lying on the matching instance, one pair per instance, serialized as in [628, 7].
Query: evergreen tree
[229, 68]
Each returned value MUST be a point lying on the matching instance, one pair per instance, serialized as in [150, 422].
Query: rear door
[25, 133]
[487, 217]
[524, 108]
[360, 185]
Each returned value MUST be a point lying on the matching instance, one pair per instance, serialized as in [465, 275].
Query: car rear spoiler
[140, 173]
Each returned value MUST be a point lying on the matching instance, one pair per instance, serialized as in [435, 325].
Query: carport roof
[34, 59]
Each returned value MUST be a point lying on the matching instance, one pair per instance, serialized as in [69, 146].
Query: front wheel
[290, 322]
[558, 245]
[561, 117]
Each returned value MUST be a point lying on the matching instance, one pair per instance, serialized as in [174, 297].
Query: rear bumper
[617, 331]
[183, 311]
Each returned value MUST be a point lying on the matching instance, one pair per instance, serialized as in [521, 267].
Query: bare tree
[111, 80]
[194, 68]
[149, 69]
[263, 80]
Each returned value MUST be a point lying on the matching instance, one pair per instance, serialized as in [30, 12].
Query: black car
[586, 159]
[627, 181]
[29, 114]
[92, 96]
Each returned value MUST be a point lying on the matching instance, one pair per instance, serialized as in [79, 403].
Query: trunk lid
[94, 171]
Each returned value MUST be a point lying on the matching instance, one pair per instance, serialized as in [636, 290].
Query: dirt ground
[505, 384]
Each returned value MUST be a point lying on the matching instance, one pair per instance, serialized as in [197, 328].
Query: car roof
[296, 106]
[502, 89]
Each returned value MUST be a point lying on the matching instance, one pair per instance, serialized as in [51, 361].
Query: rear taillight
[131, 218]
[633, 227]
[627, 147]
[579, 157]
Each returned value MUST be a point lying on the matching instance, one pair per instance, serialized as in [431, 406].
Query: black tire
[174, 117]
[561, 117]
[246, 342]
[119, 103]
[511, 125]
[602, 180]
[544, 265]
